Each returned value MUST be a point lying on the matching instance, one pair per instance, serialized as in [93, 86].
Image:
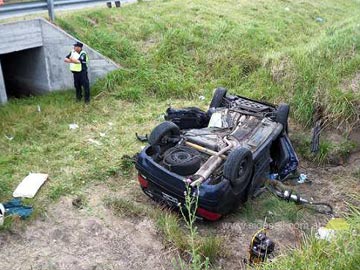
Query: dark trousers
[81, 80]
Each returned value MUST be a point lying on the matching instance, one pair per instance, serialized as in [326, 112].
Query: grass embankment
[302, 53]
[299, 52]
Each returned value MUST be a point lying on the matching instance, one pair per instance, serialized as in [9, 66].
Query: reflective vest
[76, 67]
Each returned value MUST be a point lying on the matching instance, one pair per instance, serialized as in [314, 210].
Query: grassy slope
[43, 142]
[173, 50]
[293, 51]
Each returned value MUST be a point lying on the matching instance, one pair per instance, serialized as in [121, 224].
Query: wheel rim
[243, 171]
[181, 157]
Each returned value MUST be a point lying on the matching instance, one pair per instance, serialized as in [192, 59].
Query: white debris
[302, 178]
[2, 214]
[110, 124]
[10, 138]
[94, 142]
[325, 233]
[30, 185]
[102, 134]
[38, 108]
[201, 97]
[216, 120]
[319, 20]
[73, 126]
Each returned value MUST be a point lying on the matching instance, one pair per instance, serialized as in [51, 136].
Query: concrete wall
[3, 96]
[43, 69]
[57, 44]
[19, 36]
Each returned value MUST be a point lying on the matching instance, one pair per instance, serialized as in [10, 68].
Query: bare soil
[92, 237]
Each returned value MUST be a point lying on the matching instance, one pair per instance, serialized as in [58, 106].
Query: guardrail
[42, 5]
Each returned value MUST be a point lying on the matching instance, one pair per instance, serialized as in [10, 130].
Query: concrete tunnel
[32, 59]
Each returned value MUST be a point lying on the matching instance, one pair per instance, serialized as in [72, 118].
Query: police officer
[78, 60]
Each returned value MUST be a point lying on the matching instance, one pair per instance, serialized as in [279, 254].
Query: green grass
[43, 142]
[330, 152]
[173, 52]
[185, 48]
[342, 252]
[171, 227]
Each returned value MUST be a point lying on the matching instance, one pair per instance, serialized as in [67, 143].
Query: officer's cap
[78, 44]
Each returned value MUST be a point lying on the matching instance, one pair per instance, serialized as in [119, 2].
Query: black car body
[224, 154]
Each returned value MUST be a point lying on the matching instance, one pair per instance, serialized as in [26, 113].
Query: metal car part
[211, 164]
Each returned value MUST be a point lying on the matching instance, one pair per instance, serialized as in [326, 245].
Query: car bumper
[169, 188]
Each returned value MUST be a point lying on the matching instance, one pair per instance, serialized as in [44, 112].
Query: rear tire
[182, 160]
[282, 115]
[218, 97]
[238, 169]
[162, 132]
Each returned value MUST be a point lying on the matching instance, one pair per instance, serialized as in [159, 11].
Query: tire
[282, 115]
[182, 160]
[218, 96]
[161, 132]
[238, 169]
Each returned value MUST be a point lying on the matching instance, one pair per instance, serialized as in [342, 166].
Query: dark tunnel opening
[21, 72]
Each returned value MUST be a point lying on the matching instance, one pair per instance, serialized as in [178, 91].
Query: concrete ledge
[39, 48]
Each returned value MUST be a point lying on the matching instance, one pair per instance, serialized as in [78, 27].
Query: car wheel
[164, 131]
[238, 168]
[282, 115]
[218, 96]
[182, 160]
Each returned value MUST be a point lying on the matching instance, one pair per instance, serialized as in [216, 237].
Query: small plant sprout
[189, 215]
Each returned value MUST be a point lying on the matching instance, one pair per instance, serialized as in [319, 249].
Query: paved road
[69, 7]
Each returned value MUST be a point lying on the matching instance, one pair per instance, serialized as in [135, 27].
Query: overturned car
[224, 154]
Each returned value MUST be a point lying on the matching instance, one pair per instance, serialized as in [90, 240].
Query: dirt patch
[352, 85]
[355, 136]
[89, 238]
[283, 71]
[237, 237]
[148, 44]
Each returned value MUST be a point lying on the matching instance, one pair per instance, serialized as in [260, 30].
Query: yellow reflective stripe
[75, 67]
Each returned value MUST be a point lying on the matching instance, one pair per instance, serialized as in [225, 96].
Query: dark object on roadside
[16, 207]
[117, 4]
[186, 118]
[142, 138]
[108, 4]
[315, 138]
[128, 161]
[261, 247]
[224, 154]
[77, 202]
